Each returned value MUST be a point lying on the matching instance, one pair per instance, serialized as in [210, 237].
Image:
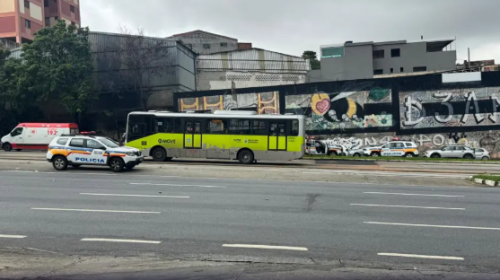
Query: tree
[58, 68]
[311, 55]
[144, 62]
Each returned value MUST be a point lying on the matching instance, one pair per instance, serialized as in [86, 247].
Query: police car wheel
[116, 164]
[7, 147]
[60, 163]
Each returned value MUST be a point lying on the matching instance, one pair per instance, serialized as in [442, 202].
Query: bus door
[192, 134]
[277, 136]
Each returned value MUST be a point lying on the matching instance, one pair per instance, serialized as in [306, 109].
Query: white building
[249, 68]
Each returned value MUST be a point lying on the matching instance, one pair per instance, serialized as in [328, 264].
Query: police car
[86, 149]
[399, 149]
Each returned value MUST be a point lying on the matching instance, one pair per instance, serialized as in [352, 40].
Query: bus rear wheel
[246, 157]
[159, 154]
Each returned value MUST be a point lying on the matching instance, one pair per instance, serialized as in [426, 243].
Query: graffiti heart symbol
[323, 106]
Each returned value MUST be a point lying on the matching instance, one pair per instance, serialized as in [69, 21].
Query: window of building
[419, 69]
[26, 4]
[378, 72]
[332, 52]
[47, 21]
[72, 8]
[45, 3]
[378, 54]
[401, 69]
[223, 45]
[206, 46]
[392, 70]
[395, 52]
[56, 18]
[27, 24]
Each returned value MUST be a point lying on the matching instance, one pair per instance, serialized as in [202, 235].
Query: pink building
[21, 19]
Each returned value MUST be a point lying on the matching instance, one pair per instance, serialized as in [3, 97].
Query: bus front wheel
[246, 157]
[159, 154]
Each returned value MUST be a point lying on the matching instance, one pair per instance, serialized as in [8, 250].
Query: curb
[489, 183]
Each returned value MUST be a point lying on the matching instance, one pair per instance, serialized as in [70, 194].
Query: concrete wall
[226, 79]
[356, 63]
[413, 55]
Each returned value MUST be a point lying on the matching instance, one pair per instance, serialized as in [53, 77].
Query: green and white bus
[230, 135]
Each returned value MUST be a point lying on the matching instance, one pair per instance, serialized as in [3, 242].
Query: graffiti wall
[343, 110]
[489, 140]
[422, 108]
[450, 108]
[264, 103]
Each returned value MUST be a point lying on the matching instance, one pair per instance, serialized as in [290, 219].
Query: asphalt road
[474, 167]
[96, 213]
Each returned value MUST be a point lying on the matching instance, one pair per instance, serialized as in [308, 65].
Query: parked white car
[452, 151]
[482, 154]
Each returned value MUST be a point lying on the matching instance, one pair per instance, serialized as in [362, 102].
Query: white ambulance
[35, 136]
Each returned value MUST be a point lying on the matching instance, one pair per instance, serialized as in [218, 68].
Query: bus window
[259, 127]
[295, 128]
[163, 125]
[215, 126]
[239, 127]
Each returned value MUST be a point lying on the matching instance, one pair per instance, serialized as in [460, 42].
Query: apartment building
[21, 19]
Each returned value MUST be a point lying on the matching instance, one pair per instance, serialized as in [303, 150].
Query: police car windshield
[109, 143]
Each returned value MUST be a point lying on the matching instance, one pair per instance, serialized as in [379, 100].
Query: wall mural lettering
[264, 103]
[451, 108]
[343, 110]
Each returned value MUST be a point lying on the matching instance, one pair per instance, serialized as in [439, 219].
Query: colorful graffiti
[344, 110]
[454, 108]
[264, 103]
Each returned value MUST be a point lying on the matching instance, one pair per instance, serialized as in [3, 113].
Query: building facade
[203, 42]
[366, 60]
[21, 19]
[249, 68]
[113, 56]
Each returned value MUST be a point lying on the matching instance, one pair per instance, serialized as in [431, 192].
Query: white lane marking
[426, 225]
[176, 185]
[414, 194]
[12, 236]
[135, 195]
[405, 206]
[95, 210]
[266, 247]
[120, 240]
[421, 256]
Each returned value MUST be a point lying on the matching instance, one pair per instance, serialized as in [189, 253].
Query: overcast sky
[292, 26]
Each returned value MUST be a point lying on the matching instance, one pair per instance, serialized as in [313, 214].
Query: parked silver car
[452, 151]
[482, 154]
